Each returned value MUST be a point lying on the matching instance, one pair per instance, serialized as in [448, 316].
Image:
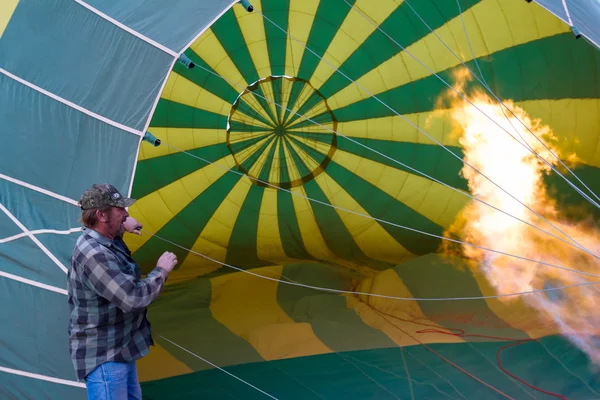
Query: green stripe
[429, 159]
[405, 27]
[250, 161]
[434, 276]
[284, 175]
[296, 159]
[228, 32]
[244, 144]
[265, 102]
[329, 17]
[536, 70]
[323, 118]
[176, 115]
[320, 309]
[311, 136]
[277, 11]
[155, 173]
[277, 85]
[381, 205]
[206, 78]
[315, 154]
[244, 106]
[336, 235]
[242, 249]
[187, 225]
[196, 330]
[265, 171]
[569, 201]
[239, 126]
[289, 231]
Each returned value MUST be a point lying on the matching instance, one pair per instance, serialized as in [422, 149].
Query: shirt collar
[103, 240]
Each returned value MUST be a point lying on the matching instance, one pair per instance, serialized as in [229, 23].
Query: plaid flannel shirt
[107, 300]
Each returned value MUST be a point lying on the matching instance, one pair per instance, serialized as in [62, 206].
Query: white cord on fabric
[32, 237]
[42, 377]
[216, 366]
[503, 106]
[39, 189]
[38, 232]
[33, 283]
[338, 291]
[393, 160]
[429, 136]
[71, 104]
[126, 28]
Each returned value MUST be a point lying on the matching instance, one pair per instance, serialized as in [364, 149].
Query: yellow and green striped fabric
[283, 155]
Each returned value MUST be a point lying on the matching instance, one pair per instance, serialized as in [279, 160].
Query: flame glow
[512, 168]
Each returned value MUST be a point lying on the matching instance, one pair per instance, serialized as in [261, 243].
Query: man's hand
[167, 261]
[131, 225]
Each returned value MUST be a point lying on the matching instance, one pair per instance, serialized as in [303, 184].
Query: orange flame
[512, 168]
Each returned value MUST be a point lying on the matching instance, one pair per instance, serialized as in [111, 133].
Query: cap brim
[126, 202]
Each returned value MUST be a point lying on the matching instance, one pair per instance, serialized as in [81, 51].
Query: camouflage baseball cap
[104, 194]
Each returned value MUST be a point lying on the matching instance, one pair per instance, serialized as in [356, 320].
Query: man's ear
[102, 217]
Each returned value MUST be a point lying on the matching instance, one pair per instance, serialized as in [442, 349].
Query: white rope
[216, 366]
[32, 237]
[391, 159]
[33, 283]
[429, 136]
[38, 232]
[126, 28]
[39, 189]
[42, 377]
[339, 291]
[503, 106]
[71, 104]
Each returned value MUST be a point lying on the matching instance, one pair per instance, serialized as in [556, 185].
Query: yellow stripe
[436, 202]
[267, 88]
[237, 137]
[247, 152]
[516, 313]
[245, 119]
[437, 124]
[269, 246]
[169, 365]
[214, 239]
[181, 138]
[352, 33]
[247, 306]
[573, 122]
[309, 162]
[7, 8]
[187, 92]
[253, 30]
[366, 307]
[302, 97]
[290, 164]
[155, 210]
[369, 235]
[311, 233]
[258, 165]
[491, 27]
[209, 49]
[274, 174]
[301, 17]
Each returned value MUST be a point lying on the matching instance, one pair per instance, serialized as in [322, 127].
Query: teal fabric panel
[586, 18]
[23, 258]
[64, 48]
[554, 6]
[553, 364]
[20, 387]
[29, 317]
[172, 23]
[58, 148]
[7, 227]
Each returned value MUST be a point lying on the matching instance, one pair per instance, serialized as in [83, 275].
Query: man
[107, 297]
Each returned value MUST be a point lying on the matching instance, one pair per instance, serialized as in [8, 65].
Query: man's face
[116, 217]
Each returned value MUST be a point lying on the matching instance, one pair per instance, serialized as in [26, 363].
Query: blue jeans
[114, 381]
